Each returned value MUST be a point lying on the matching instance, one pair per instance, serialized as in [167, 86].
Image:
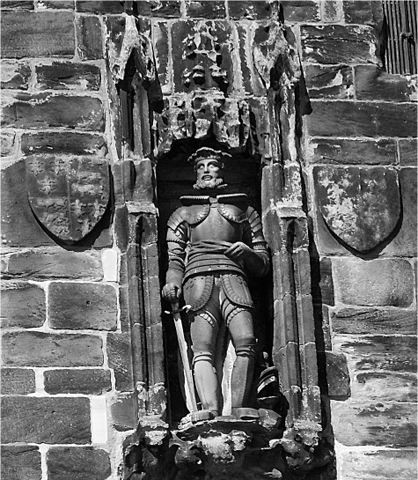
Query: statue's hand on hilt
[171, 292]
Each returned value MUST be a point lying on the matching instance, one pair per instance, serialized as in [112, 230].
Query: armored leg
[242, 333]
[204, 331]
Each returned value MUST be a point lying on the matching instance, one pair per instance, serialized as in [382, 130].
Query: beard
[214, 183]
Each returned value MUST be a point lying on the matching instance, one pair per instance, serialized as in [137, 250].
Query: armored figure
[214, 241]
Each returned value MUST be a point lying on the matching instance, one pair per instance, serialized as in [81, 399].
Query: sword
[176, 312]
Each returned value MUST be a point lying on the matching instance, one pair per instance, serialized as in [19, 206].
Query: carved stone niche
[236, 87]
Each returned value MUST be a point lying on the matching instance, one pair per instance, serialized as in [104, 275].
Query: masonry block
[384, 387]
[373, 83]
[89, 37]
[88, 382]
[374, 423]
[352, 321]
[360, 12]
[378, 465]
[329, 81]
[378, 352]
[408, 152]
[206, 10]
[46, 110]
[385, 282]
[39, 349]
[8, 142]
[64, 143]
[359, 152]
[164, 8]
[55, 265]
[17, 4]
[119, 352]
[15, 75]
[249, 10]
[78, 306]
[160, 39]
[123, 407]
[37, 34]
[300, 11]
[59, 4]
[19, 462]
[338, 376]
[333, 44]
[22, 305]
[78, 463]
[102, 7]
[45, 420]
[366, 119]
[17, 381]
[68, 76]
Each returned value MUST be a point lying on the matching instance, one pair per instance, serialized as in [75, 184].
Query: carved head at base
[209, 165]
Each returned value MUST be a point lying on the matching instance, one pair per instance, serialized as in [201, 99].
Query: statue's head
[209, 165]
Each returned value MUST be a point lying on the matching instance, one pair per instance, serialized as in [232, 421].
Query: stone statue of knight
[215, 242]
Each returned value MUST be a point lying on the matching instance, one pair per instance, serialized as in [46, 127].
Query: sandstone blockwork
[81, 139]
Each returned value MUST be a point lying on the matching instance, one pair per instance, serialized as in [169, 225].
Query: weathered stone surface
[391, 354]
[118, 346]
[361, 152]
[378, 465]
[38, 349]
[63, 143]
[89, 37]
[68, 76]
[17, 381]
[386, 282]
[55, 264]
[104, 6]
[375, 424]
[8, 141]
[78, 306]
[89, 382]
[61, 4]
[373, 83]
[47, 110]
[360, 12]
[206, 10]
[408, 150]
[366, 119]
[352, 321]
[45, 420]
[331, 11]
[384, 387]
[37, 34]
[338, 377]
[15, 75]
[329, 82]
[337, 43]
[123, 407]
[17, 4]
[162, 8]
[22, 305]
[249, 10]
[361, 206]
[300, 11]
[21, 462]
[405, 242]
[160, 40]
[79, 463]
[326, 284]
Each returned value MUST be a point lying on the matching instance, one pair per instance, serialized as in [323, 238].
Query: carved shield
[361, 206]
[68, 195]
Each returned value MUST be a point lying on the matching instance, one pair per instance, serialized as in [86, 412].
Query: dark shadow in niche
[175, 177]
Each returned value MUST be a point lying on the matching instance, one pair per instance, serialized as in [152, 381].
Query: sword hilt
[176, 309]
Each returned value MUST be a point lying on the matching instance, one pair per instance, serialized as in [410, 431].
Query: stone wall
[67, 378]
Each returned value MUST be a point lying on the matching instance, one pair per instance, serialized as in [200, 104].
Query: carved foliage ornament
[68, 196]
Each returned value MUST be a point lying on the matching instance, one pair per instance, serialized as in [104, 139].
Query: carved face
[208, 173]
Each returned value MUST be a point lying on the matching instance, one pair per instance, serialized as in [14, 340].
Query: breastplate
[216, 227]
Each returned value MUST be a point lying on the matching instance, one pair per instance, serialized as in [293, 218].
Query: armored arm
[257, 259]
[177, 238]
